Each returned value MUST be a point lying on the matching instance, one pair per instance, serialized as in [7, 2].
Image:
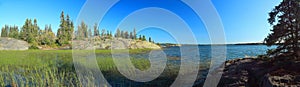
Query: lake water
[232, 51]
[205, 53]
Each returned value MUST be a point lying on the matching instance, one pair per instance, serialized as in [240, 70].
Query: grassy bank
[54, 68]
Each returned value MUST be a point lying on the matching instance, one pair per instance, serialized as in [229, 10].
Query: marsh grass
[54, 68]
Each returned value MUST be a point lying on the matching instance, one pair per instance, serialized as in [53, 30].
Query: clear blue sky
[243, 20]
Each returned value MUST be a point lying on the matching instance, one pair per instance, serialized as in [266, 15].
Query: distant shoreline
[172, 44]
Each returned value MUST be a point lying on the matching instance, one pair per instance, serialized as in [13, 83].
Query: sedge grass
[54, 68]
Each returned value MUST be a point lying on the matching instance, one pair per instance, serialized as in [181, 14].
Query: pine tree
[25, 30]
[118, 34]
[110, 34]
[14, 32]
[140, 38]
[35, 30]
[126, 35]
[122, 34]
[90, 34]
[66, 29]
[131, 36]
[96, 30]
[51, 36]
[61, 32]
[82, 31]
[103, 33]
[107, 34]
[285, 19]
[144, 38]
[47, 37]
[69, 28]
[4, 31]
[29, 32]
[134, 33]
[150, 40]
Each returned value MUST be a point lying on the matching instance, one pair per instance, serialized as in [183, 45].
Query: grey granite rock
[13, 44]
[117, 43]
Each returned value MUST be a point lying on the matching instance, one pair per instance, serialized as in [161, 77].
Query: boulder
[13, 44]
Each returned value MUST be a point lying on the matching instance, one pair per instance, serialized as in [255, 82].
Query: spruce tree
[118, 34]
[122, 34]
[14, 32]
[5, 31]
[66, 29]
[126, 35]
[150, 40]
[24, 33]
[285, 22]
[140, 38]
[61, 34]
[134, 33]
[103, 33]
[131, 35]
[144, 38]
[96, 30]
[82, 31]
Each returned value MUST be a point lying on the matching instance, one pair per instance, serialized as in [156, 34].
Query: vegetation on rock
[38, 38]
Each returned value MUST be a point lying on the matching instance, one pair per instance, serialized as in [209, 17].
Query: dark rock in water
[13, 44]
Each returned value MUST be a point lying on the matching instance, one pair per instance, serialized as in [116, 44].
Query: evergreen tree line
[85, 32]
[131, 35]
[10, 31]
[34, 35]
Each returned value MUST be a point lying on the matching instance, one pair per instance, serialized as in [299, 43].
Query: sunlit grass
[55, 68]
[51, 68]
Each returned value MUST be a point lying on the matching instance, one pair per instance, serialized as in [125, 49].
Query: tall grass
[54, 68]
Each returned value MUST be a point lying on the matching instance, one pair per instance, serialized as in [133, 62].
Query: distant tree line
[34, 35]
[85, 32]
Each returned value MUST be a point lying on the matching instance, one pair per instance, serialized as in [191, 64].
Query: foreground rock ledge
[259, 72]
[13, 44]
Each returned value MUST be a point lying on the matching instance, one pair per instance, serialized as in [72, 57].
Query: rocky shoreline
[261, 72]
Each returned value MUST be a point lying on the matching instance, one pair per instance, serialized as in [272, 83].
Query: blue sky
[243, 20]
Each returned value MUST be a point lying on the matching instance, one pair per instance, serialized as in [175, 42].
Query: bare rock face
[287, 76]
[13, 44]
[117, 43]
[258, 72]
[143, 44]
[280, 81]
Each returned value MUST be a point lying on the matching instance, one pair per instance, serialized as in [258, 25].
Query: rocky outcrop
[13, 44]
[259, 72]
[114, 44]
[280, 81]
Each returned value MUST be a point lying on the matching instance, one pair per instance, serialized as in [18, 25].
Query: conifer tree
[134, 33]
[5, 31]
[66, 29]
[285, 20]
[96, 30]
[150, 40]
